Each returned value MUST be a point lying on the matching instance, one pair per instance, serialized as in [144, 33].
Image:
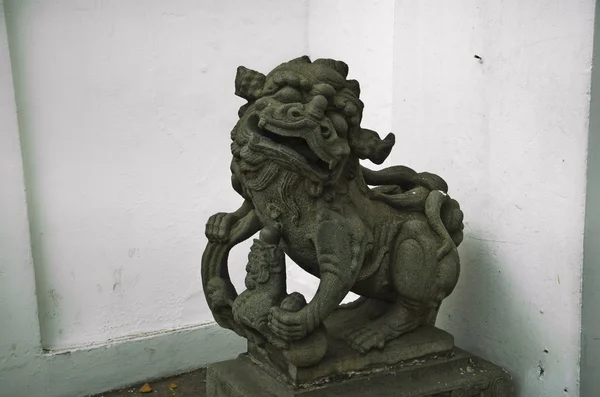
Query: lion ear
[353, 86]
[249, 83]
[366, 144]
[338, 66]
[302, 59]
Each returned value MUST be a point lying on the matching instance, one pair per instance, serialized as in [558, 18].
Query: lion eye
[294, 113]
[288, 95]
[325, 132]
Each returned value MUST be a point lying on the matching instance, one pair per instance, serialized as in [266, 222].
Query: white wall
[19, 329]
[510, 137]
[126, 109]
[590, 335]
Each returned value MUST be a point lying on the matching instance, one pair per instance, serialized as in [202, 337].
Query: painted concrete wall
[125, 111]
[19, 329]
[509, 133]
[590, 335]
[25, 370]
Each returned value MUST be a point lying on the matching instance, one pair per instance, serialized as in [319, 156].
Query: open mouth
[299, 145]
[293, 147]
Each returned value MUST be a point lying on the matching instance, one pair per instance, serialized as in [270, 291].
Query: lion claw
[365, 339]
[218, 227]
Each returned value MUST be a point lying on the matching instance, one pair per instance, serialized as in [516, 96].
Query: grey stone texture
[342, 359]
[459, 375]
[390, 236]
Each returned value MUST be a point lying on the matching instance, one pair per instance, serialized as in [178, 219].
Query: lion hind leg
[413, 274]
[420, 277]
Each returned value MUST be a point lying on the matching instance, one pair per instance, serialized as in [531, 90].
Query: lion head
[306, 113]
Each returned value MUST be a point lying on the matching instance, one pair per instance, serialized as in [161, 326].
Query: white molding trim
[88, 371]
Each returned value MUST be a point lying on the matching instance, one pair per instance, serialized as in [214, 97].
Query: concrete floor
[191, 384]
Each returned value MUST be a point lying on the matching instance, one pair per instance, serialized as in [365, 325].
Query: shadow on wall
[493, 297]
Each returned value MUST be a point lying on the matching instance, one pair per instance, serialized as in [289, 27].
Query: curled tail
[433, 209]
[407, 190]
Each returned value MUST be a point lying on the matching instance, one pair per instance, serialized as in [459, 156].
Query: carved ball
[308, 350]
[270, 235]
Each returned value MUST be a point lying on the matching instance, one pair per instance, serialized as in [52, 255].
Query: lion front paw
[366, 338]
[218, 227]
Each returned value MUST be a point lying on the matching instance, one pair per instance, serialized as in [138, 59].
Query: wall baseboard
[88, 371]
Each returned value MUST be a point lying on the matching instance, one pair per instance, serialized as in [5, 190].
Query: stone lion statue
[390, 236]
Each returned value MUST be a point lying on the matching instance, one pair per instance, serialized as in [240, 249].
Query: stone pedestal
[461, 374]
[342, 360]
[423, 363]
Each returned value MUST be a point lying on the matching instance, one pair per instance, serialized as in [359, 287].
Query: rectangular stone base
[461, 374]
[342, 359]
